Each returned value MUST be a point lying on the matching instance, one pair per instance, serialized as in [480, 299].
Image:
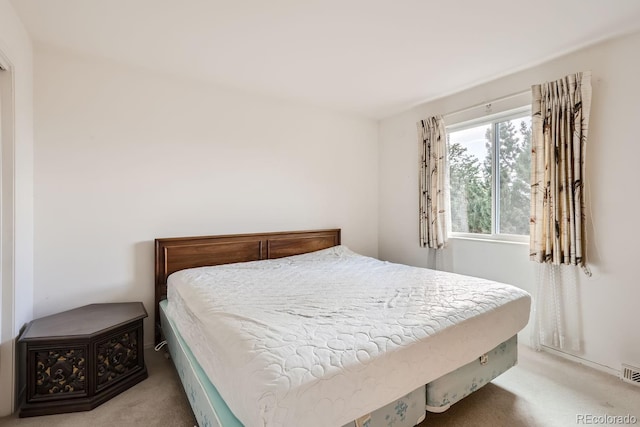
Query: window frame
[493, 120]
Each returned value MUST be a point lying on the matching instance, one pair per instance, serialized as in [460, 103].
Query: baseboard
[577, 359]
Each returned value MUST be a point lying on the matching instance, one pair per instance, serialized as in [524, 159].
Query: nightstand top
[84, 321]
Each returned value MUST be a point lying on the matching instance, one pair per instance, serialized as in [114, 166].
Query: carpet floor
[543, 390]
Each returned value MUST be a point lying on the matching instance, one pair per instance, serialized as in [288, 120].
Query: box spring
[450, 388]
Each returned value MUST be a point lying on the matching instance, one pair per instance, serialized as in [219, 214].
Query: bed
[296, 329]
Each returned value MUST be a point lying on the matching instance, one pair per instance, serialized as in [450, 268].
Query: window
[490, 163]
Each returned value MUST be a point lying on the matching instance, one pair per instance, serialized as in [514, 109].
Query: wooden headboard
[179, 253]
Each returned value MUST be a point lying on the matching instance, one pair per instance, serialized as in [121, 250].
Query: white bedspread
[323, 338]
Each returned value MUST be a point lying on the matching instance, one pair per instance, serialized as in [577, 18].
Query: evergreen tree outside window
[490, 163]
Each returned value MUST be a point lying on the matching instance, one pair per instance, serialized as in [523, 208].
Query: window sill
[492, 239]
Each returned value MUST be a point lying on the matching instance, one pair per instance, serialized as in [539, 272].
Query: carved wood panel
[60, 372]
[116, 357]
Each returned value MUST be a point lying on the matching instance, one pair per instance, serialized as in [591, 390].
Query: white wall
[124, 155]
[608, 300]
[17, 297]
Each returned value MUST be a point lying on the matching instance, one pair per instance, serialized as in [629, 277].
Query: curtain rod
[488, 103]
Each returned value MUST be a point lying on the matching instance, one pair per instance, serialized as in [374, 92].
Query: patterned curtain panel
[434, 183]
[560, 118]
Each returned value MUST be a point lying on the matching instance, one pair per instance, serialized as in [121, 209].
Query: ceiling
[372, 58]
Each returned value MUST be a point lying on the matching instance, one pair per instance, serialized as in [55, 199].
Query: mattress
[324, 338]
[210, 410]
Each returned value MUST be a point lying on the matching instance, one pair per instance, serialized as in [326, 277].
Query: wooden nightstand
[79, 359]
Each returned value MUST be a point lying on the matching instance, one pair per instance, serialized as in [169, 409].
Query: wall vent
[631, 374]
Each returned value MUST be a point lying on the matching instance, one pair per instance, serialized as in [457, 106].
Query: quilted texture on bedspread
[323, 338]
